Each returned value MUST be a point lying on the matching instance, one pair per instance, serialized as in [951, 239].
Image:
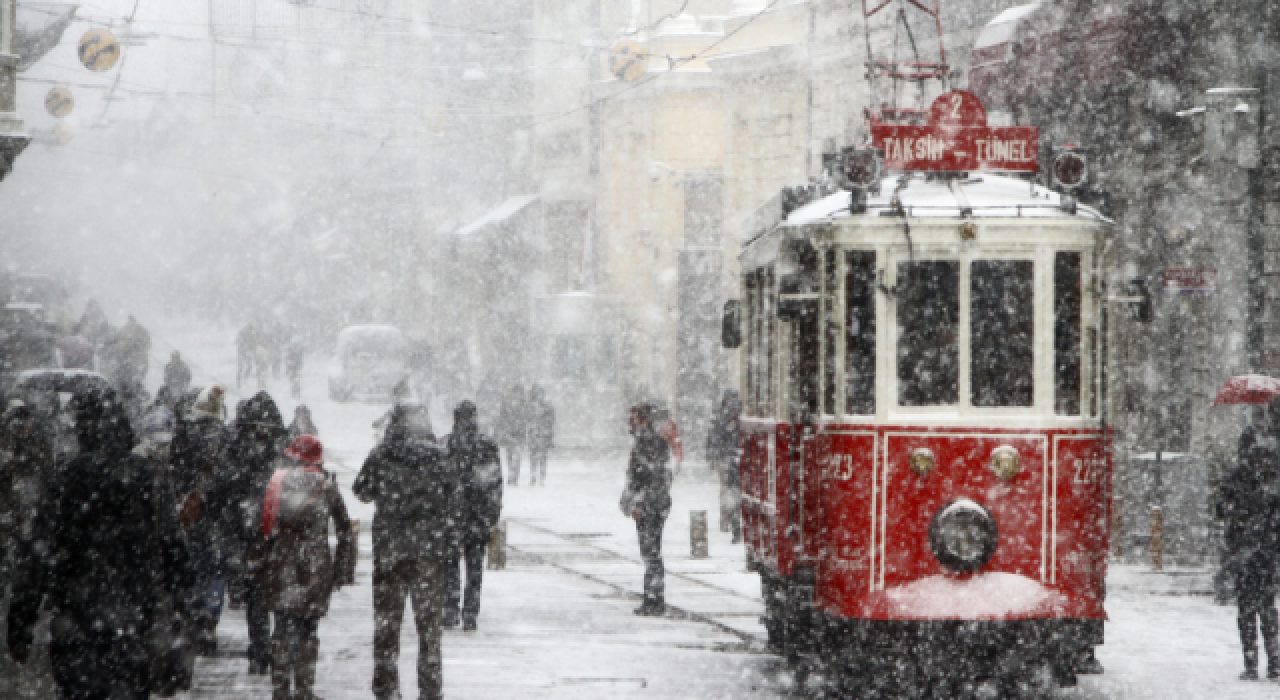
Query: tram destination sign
[957, 139]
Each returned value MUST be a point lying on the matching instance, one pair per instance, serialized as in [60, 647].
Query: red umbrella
[1248, 389]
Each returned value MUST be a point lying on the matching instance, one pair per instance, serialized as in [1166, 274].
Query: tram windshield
[929, 333]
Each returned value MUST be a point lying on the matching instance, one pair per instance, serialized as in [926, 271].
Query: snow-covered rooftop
[984, 195]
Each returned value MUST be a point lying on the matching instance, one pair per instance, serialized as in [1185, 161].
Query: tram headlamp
[963, 535]
[1005, 462]
[922, 461]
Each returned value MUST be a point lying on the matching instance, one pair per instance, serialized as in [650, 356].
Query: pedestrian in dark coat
[26, 466]
[258, 440]
[542, 430]
[104, 556]
[415, 488]
[199, 457]
[647, 499]
[1249, 506]
[292, 565]
[475, 457]
[177, 375]
[722, 454]
[512, 430]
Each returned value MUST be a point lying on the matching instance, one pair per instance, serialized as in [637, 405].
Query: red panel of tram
[962, 470]
[1082, 542]
[845, 568]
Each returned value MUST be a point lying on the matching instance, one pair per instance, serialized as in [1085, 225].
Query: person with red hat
[291, 562]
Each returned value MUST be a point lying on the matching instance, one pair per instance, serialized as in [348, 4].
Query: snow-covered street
[557, 622]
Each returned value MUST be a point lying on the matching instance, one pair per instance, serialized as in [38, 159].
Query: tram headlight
[1005, 462]
[963, 535]
[922, 461]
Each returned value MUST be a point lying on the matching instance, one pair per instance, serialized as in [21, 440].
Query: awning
[39, 28]
[503, 212]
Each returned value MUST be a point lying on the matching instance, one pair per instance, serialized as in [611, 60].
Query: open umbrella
[1248, 389]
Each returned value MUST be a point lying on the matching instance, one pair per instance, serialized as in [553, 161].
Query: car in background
[368, 363]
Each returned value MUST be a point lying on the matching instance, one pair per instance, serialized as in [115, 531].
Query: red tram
[925, 469]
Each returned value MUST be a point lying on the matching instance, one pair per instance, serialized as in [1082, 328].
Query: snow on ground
[557, 623]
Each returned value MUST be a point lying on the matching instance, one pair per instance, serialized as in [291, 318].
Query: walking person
[258, 440]
[512, 431]
[104, 555]
[291, 563]
[26, 467]
[294, 354]
[198, 456]
[542, 429]
[415, 490]
[177, 375]
[1249, 507]
[647, 500]
[475, 459]
[722, 454]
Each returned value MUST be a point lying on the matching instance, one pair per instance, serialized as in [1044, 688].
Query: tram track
[750, 643]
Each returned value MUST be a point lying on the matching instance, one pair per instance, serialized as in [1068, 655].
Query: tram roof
[984, 195]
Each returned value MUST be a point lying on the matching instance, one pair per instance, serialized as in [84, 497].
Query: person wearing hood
[415, 489]
[258, 440]
[292, 564]
[722, 453]
[104, 553]
[177, 375]
[1248, 504]
[475, 458]
[512, 430]
[647, 500]
[302, 423]
[198, 456]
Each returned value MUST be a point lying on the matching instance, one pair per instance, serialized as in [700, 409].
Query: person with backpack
[415, 488]
[291, 562]
[475, 457]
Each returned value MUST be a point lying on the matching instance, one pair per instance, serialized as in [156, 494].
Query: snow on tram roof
[986, 195]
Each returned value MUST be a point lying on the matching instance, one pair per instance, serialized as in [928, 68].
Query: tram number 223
[1088, 470]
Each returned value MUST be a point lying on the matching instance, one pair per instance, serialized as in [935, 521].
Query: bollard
[698, 534]
[498, 547]
[1157, 539]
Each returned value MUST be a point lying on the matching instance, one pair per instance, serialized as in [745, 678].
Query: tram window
[860, 344]
[1001, 331]
[831, 330]
[1066, 334]
[928, 333]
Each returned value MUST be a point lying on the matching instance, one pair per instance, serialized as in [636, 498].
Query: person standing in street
[292, 565]
[258, 439]
[415, 489]
[177, 375]
[542, 428]
[475, 458]
[512, 431]
[722, 453]
[104, 555]
[647, 500]
[1249, 506]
